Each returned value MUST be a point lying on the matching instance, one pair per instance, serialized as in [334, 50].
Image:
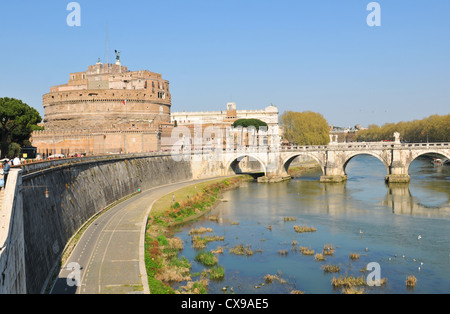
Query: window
[161, 95]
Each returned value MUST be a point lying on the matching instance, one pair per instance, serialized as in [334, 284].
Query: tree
[245, 123]
[435, 128]
[17, 120]
[305, 128]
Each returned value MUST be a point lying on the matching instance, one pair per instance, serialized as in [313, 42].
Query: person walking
[16, 161]
[2, 178]
[6, 167]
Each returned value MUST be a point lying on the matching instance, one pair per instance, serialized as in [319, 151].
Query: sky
[299, 55]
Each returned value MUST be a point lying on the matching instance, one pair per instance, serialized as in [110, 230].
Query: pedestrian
[6, 167]
[16, 161]
[2, 178]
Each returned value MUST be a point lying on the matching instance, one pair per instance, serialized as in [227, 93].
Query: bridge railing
[363, 146]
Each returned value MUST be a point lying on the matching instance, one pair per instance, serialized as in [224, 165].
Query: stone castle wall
[95, 142]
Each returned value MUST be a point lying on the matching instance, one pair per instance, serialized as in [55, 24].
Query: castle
[106, 109]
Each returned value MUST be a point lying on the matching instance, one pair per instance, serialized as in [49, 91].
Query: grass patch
[200, 242]
[162, 260]
[215, 273]
[206, 258]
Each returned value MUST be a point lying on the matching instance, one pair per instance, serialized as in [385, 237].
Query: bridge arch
[416, 155]
[290, 158]
[353, 155]
[234, 162]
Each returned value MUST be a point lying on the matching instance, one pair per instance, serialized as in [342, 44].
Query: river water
[362, 215]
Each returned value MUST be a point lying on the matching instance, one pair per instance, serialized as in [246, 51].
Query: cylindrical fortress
[108, 97]
[106, 109]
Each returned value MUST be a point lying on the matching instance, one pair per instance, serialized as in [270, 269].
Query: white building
[226, 117]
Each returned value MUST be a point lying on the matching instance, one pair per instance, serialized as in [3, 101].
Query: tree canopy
[305, 128]
[435, 128]
[249, 122]
[17, 121]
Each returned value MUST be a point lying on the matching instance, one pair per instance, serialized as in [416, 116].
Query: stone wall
[12, 241]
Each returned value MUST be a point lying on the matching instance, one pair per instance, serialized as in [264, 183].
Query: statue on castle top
[117, 55]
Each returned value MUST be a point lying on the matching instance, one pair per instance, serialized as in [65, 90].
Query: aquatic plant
[219, 250]
[328, 249]
[206, 258]
[306, 251]
[200, 230]
[303, 229]
[195, 287]
[200, 242]
[348, 281]
[354, 256]
[215, 273]
[271, 278]
[353, 290]
[411, 281]
[319, 257]
[289, 219]
[331, 268]
[241, 250]
[213, 218]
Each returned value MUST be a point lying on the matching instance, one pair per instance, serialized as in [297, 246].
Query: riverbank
[303, 168]
[163, 265]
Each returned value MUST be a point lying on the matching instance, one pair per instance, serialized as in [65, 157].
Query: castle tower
[97, 104]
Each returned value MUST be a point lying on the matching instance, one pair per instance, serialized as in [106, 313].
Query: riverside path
[109, 256]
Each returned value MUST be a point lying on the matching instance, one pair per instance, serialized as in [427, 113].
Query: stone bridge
[333, 158]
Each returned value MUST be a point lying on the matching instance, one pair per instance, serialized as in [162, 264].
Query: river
[405, 229]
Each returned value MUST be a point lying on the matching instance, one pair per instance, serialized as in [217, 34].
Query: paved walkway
[110, 254]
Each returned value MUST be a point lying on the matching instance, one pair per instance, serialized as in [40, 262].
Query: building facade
[222, 122]
[106, 109]
[226, 117]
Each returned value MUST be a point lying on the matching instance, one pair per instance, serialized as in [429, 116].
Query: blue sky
[317, 55]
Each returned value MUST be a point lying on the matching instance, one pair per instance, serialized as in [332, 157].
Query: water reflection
[402, 202]
[340, 198]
